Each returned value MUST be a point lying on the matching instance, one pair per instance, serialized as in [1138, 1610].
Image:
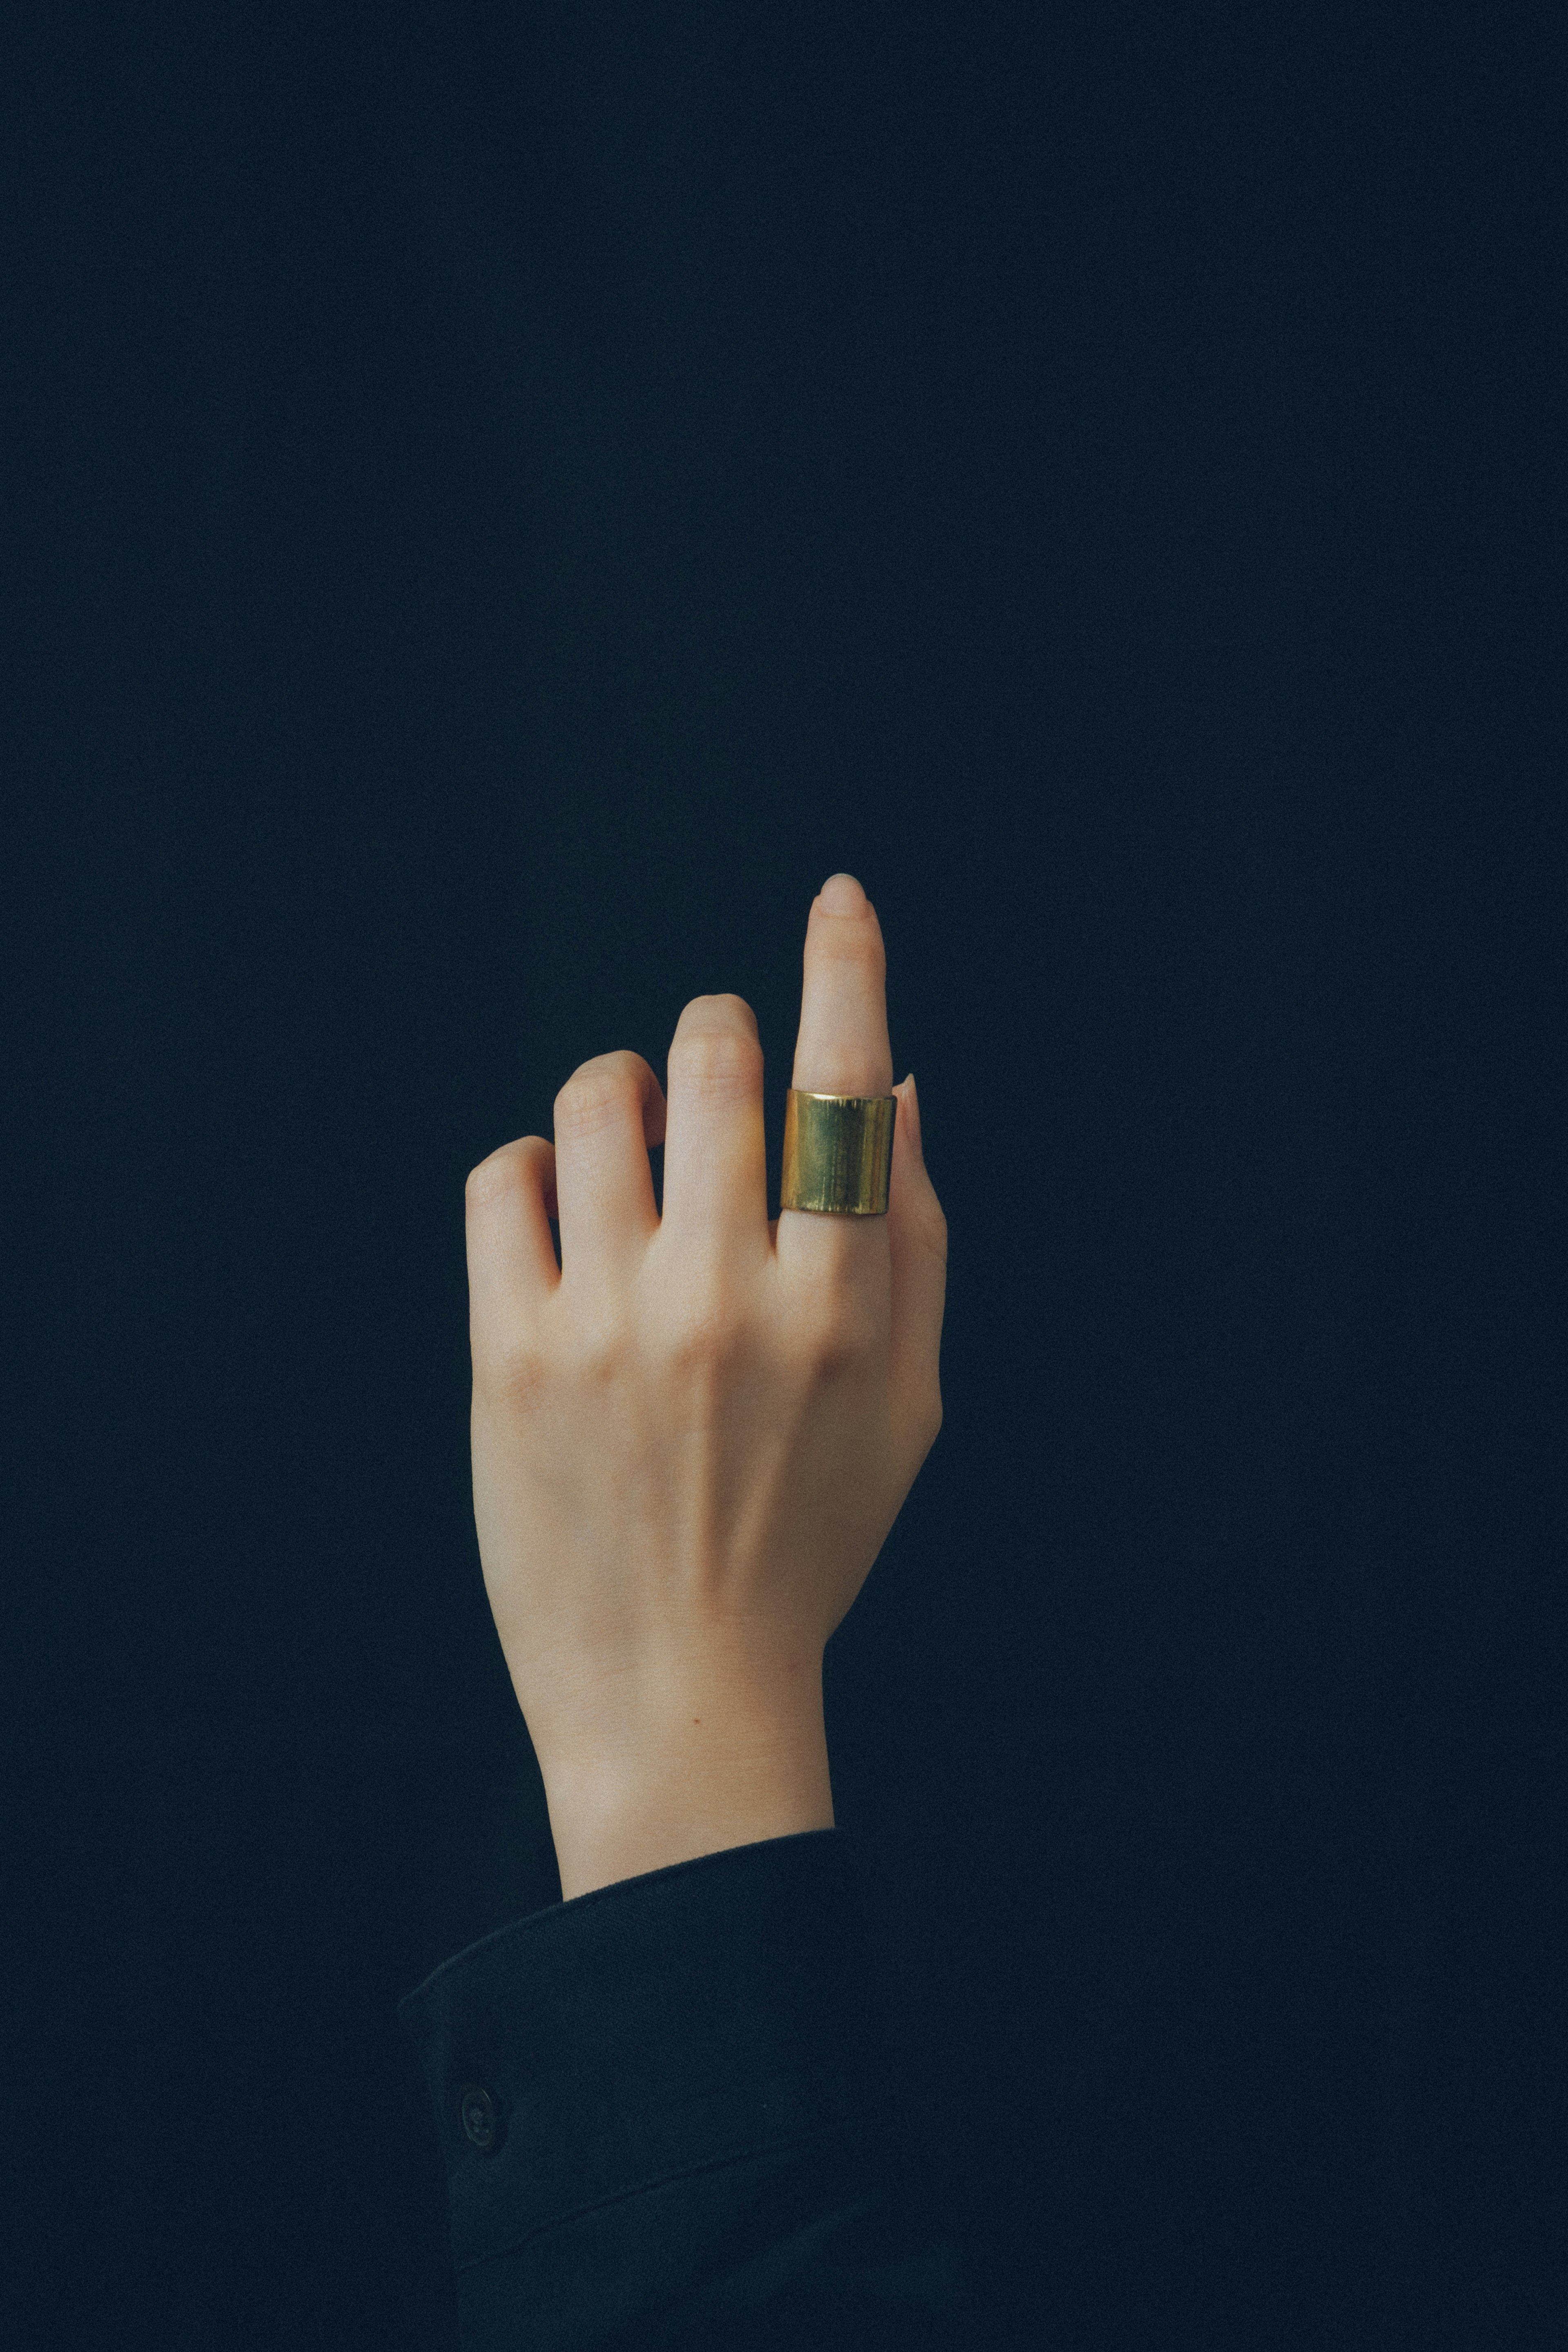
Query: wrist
[706, 1770]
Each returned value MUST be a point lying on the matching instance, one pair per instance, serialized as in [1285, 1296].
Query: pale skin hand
[692, 1437]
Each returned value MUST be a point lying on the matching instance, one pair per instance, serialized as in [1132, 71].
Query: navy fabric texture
[671, 2113]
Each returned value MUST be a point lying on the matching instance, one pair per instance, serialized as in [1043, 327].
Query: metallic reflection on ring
[838, 1154]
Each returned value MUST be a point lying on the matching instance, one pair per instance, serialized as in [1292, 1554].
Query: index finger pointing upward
[888, 1274]
[844, 1047]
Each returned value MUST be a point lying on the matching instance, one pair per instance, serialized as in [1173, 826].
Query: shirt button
[476, 2114]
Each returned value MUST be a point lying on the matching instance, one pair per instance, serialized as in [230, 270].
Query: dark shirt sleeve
[671, 2114]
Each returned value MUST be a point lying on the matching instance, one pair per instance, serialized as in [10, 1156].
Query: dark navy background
[501, 502]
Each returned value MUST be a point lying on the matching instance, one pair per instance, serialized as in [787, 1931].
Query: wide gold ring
[838, 1154]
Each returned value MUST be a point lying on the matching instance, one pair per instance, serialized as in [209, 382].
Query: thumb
[918, 1241]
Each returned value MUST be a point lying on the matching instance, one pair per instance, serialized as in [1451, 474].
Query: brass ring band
[838, 1154]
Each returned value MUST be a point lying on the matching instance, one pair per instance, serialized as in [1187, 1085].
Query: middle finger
[715, 1152]
[607, 1115]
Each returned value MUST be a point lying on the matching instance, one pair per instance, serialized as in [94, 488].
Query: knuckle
[522, 1372]
[838, 1333]
[702, 1337]
[600, 1350]
[600, 1342]
[502, 1171]
[607, 1089]
[507, 1363]
[721, 1062]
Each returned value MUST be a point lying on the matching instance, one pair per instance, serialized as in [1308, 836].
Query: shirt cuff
[655, 2082]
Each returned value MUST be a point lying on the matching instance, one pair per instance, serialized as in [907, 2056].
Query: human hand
[690, 1437]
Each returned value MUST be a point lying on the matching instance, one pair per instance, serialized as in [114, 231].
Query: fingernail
[840, 894]
[910, 1109]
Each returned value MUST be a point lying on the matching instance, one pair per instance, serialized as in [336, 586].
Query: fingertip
[510, 1203]
[840, 894]
[842, 1044]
